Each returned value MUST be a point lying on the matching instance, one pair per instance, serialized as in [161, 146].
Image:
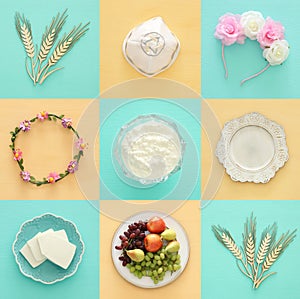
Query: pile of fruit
[149, 249]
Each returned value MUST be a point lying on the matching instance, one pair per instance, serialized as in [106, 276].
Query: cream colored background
[113, 286]
[118, 17]
[47, 147]
[285, 183]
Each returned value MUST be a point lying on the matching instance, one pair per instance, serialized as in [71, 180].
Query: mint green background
[185, 113]
[245, 60]
[80, 76]
[84, 284]
[220, 276]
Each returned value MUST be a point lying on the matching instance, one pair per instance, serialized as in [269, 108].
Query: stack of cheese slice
[51, 245]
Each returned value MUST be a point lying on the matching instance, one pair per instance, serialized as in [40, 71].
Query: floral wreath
[234, 28]
[53, 177]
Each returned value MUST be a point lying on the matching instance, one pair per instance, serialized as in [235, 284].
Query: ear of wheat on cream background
[255, 259]
[41, 67]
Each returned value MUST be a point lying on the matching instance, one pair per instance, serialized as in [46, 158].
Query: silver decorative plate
[252, 148]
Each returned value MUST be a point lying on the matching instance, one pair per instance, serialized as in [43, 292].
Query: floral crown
[53, 177]
[234, 28]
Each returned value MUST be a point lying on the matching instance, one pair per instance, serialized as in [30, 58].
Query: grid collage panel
[46, 147]
[274, 95]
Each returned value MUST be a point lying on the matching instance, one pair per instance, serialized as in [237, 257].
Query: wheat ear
[63, 47]
[231, 246]
[271, 258]
[249, 240]
[250, 250]
[23, 27]
[263, 249]
[49, 37]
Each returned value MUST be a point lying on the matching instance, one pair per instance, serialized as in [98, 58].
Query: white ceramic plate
[146, 282]
[252, 148]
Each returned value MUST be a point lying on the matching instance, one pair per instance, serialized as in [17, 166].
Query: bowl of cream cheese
[149, 149]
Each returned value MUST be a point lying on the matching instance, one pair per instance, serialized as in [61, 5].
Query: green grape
[138, 267]
[132, 269]
[150, 254]
[160, 270]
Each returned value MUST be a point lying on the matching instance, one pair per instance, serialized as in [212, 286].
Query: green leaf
[16, 130]
[49, 118]
[61, 175]
[11, 146]
[21, 161]
[33, 120]
[75, 157]
[12, 133]
[61, 116]
[22, 167]
[54, 118]
[32, 178]
[39, 184]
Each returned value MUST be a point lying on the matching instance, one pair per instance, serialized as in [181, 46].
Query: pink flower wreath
[53, 176]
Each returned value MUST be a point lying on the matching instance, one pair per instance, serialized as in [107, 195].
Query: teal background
[220, 276]
[185, 113]
[80, 76]
[84, 284]
[245, 60]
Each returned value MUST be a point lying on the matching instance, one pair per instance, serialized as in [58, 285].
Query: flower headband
[53, 177]
[269, 33]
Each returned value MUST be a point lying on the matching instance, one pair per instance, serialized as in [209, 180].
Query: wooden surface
[46, 147]
[112, 285]
[118, 17]
[284, 184]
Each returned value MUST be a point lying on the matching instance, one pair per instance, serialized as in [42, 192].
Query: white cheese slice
[57, 250]
[34, 245]
[61, 234]
[27, 253]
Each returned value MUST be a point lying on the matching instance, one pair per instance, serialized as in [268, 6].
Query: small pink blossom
[17, 154]
[25, 125]
[229, 30]
[80, 144]
[25, 176]
[270, 32]
[66, 122]
[72, 167]
[42, 115]
[53, 177]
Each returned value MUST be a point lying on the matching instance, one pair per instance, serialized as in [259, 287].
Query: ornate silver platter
[252, 148]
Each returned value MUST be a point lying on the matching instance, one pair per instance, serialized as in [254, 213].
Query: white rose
[252, 22]
[277, 53]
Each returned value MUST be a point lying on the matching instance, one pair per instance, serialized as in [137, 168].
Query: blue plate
[47, 272]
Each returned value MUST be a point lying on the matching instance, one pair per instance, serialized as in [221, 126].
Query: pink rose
[271, 32]
[229, 30]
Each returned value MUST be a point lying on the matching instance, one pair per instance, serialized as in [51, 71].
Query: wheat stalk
[50, 35]
[271, 258]
[23, 27]
[263, 249]
[62, 48]
[249, 240]
[231, 246]
[250, 250]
